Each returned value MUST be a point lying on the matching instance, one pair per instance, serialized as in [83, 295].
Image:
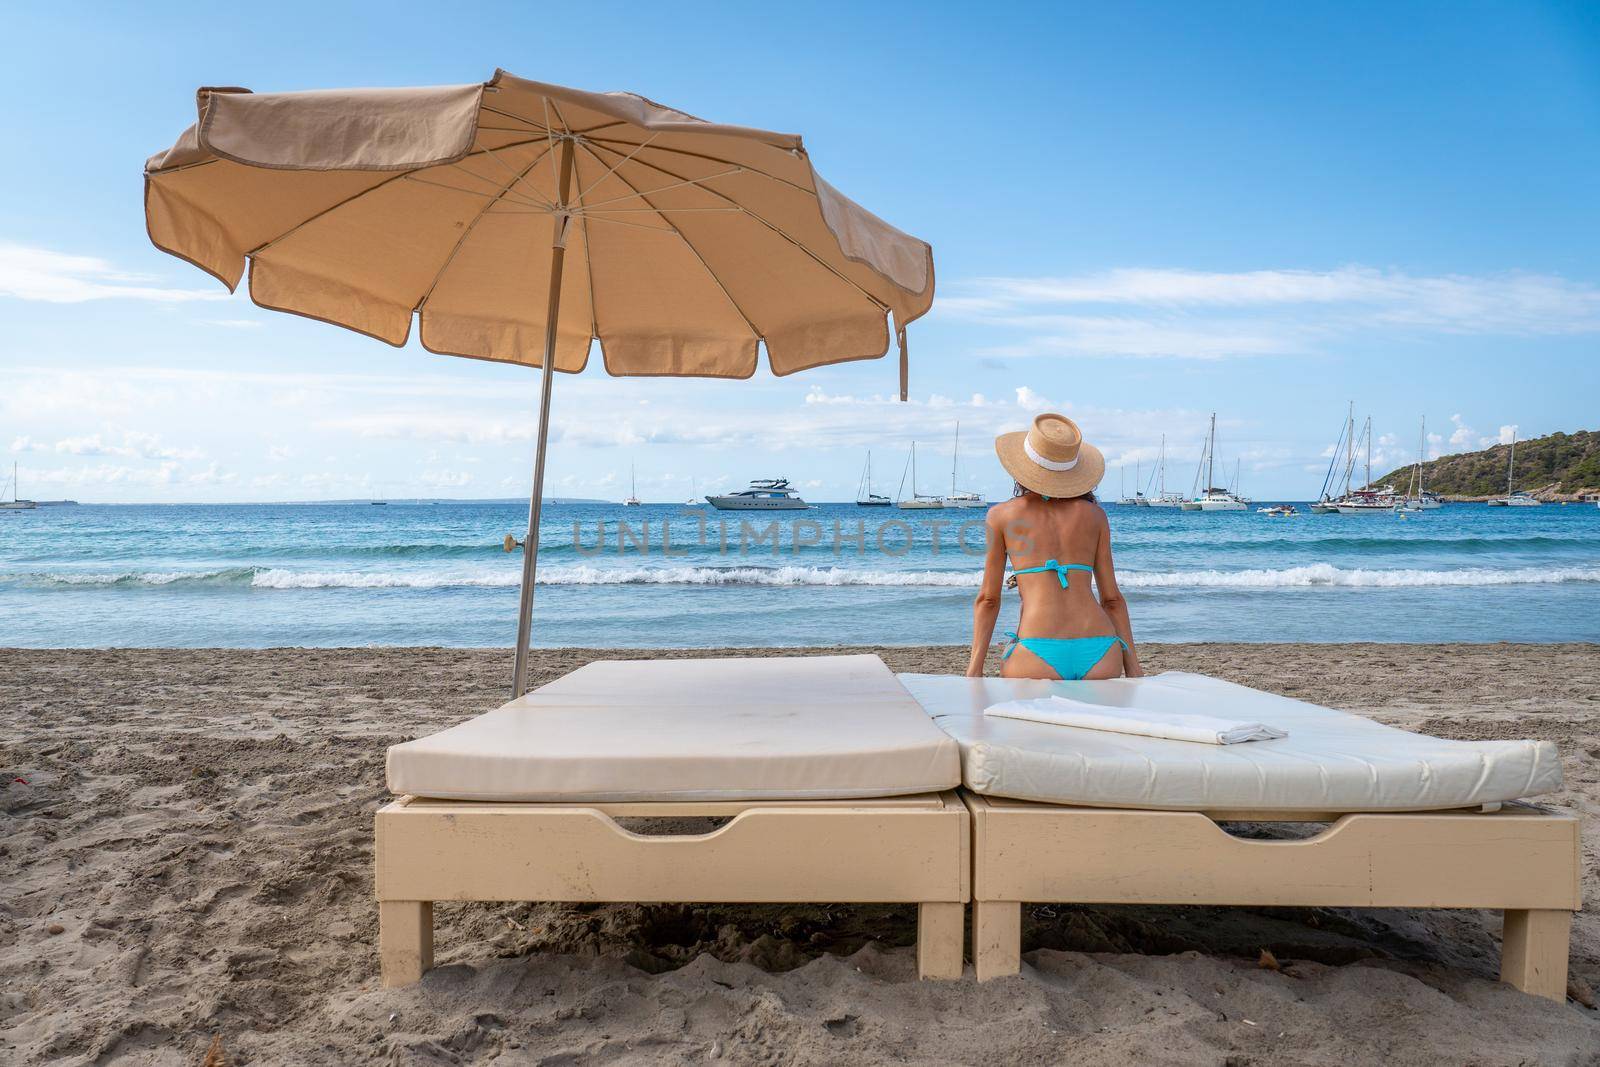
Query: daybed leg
[939, 928]
[996, 938]
[405, 940]
[1533, 952]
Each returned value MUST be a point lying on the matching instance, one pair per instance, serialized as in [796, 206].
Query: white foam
[1326, 574]
[279, 578]
[1312, 576]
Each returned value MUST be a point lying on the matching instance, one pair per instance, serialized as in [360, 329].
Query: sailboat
[865, 497]
[1417, 496]
[1162, 498]
[918, 501]
[1514, 499]
[1138, 497]
[1368, 500]
[632, 500]
[1213, 498]
[960, 498]
[694, 500]
[16, 503]
[1327, 503]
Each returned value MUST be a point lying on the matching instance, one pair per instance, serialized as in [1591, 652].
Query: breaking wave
[1326, 574]
[1310, 576]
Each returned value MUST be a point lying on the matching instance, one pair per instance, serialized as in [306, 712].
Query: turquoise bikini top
[1061, 570]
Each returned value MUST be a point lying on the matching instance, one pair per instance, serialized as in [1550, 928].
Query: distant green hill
[1562, 463]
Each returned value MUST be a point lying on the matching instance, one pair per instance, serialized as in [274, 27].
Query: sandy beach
[187, 841]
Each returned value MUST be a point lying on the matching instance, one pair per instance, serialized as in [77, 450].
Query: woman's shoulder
[1006, 508]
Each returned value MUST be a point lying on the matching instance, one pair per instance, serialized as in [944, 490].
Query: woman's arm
[986, 608]
[1105, 581]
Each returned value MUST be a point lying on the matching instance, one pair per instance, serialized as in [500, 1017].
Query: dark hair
[1018, 489]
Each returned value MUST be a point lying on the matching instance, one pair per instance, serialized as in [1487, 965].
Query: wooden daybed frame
[911, 849]
[1520, 860]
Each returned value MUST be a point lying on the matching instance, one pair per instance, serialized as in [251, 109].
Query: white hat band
[1047, 464]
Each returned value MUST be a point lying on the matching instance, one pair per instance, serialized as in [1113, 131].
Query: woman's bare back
[1037, 531]
[1067, 531]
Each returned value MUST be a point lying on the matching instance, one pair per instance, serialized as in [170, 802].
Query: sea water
[435, 573]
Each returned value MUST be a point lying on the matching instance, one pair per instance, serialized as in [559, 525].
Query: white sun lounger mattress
[1331, 760]
[775, 728]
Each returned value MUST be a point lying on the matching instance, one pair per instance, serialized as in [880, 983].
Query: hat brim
[1079, 480]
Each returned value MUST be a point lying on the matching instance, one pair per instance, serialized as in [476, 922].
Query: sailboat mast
[1211, 456]
[1511, 464]
[1162, 473]
[955, 457]
[1422, 450]
[1350, 448]
[1369, 451]
[913, 470]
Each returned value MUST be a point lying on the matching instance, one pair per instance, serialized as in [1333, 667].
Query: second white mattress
[1331, 760]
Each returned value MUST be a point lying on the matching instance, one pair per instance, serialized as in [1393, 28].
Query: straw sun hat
[1051, 458]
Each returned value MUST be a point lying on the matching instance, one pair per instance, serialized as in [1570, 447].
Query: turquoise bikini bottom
[1071, 657]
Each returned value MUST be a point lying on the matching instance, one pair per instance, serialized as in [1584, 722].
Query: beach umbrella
[518, 221]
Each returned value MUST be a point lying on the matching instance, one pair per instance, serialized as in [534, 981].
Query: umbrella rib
[258, 249]
[588, 264]
[754, 329]
[349, 199]
[824, 264]
[555, 176]
[716, 159]
[551, 105]
[473, 225]
[664, 188]
[536, 195]
[538, 126]
[630, 225]
[613, 168]
[675, 210]
[495, 196]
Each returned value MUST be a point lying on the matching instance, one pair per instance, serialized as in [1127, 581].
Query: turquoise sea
[435, 574]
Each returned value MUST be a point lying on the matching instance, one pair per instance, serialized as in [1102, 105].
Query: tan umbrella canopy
[519, 221]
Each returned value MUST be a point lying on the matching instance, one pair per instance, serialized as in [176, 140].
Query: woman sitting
[1056, 537]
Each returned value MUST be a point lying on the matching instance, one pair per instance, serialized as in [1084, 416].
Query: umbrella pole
[530, 545]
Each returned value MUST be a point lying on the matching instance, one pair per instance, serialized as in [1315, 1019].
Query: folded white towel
[1174, 726]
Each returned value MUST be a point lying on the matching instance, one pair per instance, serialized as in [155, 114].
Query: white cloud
[211, 475]
[329, 481]
[1507, 435]
[107, 474]
[234, 324]
[1028, 400]
[135, 444]
[435, 479]
[1464, 436]
[1215, 315]
[46, 276]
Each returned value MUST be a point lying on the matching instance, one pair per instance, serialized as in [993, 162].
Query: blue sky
[1140, 214]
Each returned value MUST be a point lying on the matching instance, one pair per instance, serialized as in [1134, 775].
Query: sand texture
[186, 848]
